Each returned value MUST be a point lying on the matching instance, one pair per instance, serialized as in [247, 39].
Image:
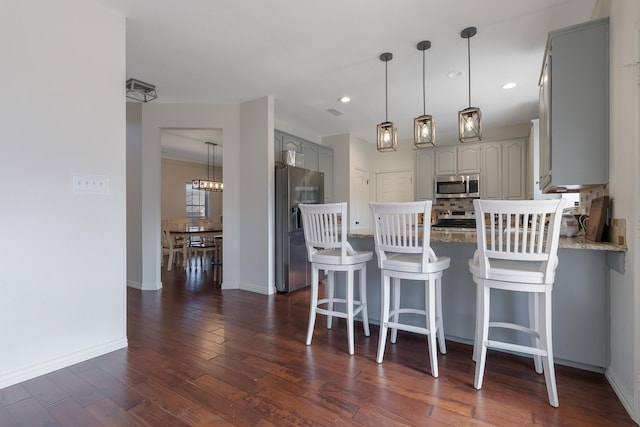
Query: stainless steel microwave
[458, 186]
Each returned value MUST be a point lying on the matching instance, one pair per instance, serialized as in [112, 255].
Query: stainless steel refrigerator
[293, 186]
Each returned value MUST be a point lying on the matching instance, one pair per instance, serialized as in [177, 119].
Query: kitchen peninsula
[580, 295]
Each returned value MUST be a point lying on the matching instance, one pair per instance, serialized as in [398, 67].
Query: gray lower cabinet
[574, 108]
[580, 301]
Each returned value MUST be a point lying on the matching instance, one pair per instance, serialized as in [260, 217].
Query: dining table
[185, 233]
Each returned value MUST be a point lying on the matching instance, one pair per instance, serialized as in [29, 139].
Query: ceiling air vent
[335, 112]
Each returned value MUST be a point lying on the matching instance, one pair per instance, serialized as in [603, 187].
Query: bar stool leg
[534, 324]
[363, 300]
[396, 308]
[314, 304]
[384, 315]
[430, 306]
[483, 336]
[439, 322]
[350, 310]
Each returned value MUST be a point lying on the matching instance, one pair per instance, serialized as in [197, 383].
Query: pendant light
[208, 184]
[424, 126]
[387, 132]
[140, 91]
[469, 119]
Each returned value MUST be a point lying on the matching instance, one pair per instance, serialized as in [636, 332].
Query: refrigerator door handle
[295, 218]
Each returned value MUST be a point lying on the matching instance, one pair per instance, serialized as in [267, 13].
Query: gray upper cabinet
[314, 156]
[311, 155]
[574, 108]
[424, 181]
[277, 146]
[502, 166]
[325, 164]
[446, 159]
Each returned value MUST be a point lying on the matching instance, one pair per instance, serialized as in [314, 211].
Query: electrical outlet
[90, 183]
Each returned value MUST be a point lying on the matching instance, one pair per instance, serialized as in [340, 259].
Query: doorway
[394, 186]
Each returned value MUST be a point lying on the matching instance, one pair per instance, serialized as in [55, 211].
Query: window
[197, 202]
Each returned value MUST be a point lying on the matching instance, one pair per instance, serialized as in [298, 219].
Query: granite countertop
[466, 235]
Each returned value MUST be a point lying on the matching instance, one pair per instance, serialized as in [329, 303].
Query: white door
[394, 186]
[359, 207]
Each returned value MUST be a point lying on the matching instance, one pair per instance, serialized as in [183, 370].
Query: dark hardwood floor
[198, 356]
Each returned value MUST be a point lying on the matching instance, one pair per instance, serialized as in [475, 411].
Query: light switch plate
[90, 183]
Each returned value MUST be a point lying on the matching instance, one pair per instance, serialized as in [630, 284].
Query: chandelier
[208, 184]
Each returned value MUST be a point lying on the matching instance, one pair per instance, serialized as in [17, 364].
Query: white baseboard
[627, 401]
[248, 287]
[14, 377]
[144, 286]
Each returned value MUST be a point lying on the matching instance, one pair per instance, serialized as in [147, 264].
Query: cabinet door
[544, 126]
[424, 174]
[514, 156]
[291, 143]
[311, 155]
[325, 165]
[446, 161]
[277, 146]
[469, 159]
[491, 175]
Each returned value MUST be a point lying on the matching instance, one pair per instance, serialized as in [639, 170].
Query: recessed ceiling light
[454, 74]
[344, 99]
[509, 85]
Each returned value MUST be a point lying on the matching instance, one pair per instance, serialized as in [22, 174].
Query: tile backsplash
[586, 196]
[453, 205]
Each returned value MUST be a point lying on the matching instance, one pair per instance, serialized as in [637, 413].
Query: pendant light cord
[469, 64]
[386, 93]
[424, 90]
[208, 165]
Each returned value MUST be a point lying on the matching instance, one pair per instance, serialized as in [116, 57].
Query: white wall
[624, 157]
[62, 111]
[175, 176]
[134, 189]
[257, 205]
[248, 187]
[155, 117]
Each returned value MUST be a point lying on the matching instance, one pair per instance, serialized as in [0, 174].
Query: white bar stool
[517, 251]
[403, 249]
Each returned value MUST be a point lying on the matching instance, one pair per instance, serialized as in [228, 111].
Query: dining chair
[171, 249]
[402, 244]
[517, 252]
[325, 234]
[201, 249]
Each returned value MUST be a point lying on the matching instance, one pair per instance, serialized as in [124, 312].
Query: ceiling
[307, 54]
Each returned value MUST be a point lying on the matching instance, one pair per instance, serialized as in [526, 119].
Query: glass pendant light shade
[470, 124]
[469, 119]
[424, 126]
[387, 138]
[424, 131]
[208, 184]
